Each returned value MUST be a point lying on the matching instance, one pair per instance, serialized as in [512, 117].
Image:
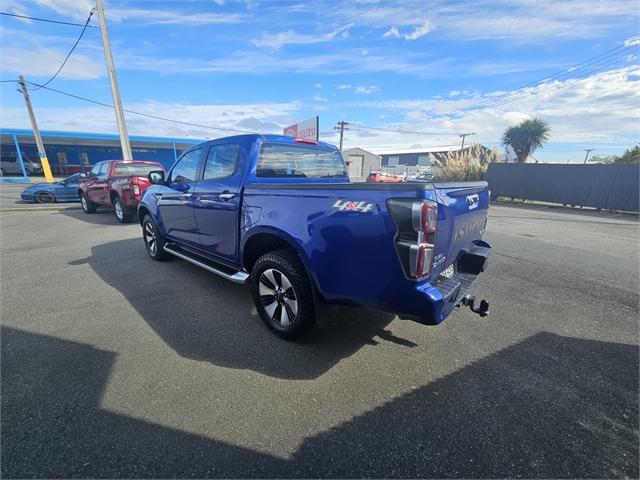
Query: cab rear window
[140, 169]
[279, 160]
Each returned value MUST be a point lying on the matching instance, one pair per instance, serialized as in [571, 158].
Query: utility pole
[588, 150]
[463, 136]
[113, 80]
[36, 132]
[341, 127]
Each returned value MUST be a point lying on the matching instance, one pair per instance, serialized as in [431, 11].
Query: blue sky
[438, 67]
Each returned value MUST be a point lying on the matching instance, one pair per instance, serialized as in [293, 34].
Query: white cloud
[392, 32]
[45, 61]
[542, 21]
[289, 37]
[632, 42]
[318, 85]
[344, 86]
[601, 108]
[420, 31]
[79, 9]
[367, 90]
[261, 117]
[319, 98]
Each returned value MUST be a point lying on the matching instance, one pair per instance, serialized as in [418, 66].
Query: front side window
[104, 169]
[95, 170]
[73, 179]
[187, 167]
[279, 160]
[222, 161]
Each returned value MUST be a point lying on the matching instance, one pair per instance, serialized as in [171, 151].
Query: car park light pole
[36, 133]
[113, 80]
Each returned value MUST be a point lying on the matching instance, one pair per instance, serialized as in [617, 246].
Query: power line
[45, 20]
[8, 81]
[364, 127]
[134, 112]
[68, 54]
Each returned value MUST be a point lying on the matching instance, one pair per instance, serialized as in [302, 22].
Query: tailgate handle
[472, 201]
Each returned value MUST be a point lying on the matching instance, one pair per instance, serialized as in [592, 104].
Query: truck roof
[267, 138]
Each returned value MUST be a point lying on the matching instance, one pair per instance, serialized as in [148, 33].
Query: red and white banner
[306, 130]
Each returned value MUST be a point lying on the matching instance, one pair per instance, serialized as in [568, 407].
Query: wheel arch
[266, 240]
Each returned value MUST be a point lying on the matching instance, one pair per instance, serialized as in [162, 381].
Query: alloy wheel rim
[118, 210]
[84, 202]
[44, 197]
[278, 297]
[150, 238]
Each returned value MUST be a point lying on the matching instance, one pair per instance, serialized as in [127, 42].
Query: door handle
[227, 196]
[186, 196]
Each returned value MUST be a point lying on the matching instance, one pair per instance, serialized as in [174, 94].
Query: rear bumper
[431, 302]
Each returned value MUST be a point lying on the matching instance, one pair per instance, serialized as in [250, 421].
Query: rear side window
[187, 167]
[279, 160]
[139, 169]
[222, 161]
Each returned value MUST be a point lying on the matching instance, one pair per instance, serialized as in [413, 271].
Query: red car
[118, 184]
[381, 177]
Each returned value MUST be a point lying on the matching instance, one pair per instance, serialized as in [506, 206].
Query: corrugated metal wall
[613, 187]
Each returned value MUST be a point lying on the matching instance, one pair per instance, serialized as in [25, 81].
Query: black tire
[282, 293]
[44, 197]
[153, 241]
[123, 214]
[87, 206]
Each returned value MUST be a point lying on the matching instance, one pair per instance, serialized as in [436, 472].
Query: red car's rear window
[135, 168]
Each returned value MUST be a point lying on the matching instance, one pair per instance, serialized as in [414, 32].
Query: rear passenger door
[217, 201]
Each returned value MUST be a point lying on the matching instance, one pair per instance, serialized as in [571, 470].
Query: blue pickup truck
[281, 214]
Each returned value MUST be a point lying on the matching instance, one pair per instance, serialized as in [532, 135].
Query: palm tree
[526, 137]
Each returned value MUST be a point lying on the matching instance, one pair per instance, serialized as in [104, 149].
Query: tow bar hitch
[482, 309]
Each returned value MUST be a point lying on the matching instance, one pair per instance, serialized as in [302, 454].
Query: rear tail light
[416, 226]
[135, 184]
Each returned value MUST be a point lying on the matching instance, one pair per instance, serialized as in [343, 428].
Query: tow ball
[482, 309]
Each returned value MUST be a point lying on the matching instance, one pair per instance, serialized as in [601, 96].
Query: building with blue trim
[72, 152]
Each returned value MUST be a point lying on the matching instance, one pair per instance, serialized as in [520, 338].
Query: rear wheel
[153, 240]
[282, 293]
[87, 206]
[123, 214]
[44, 197]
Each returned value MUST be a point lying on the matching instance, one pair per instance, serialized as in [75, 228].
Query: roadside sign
[306, 130]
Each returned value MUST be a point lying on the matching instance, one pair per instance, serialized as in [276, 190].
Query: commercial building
[72, 152]
[360, 163]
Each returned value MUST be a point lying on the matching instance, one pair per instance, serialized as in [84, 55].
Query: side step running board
[237, 277]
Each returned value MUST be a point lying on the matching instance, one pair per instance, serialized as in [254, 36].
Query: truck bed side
[345, 235]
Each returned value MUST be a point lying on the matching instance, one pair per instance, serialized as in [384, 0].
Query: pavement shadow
[103, 216]
[547, 407]
[207, 318]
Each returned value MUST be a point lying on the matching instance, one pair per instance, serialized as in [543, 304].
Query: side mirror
[84, 175]
[156, 177]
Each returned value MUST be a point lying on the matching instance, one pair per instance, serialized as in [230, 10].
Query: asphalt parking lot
[116, 366]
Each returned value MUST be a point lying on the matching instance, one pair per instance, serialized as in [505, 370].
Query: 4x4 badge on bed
[350, 206]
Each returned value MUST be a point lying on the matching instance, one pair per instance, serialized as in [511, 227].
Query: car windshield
[141, 169]
[286, 160]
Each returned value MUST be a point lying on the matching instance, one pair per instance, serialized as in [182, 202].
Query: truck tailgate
[461, 220]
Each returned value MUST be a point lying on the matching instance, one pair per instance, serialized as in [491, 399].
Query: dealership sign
[307, 130]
